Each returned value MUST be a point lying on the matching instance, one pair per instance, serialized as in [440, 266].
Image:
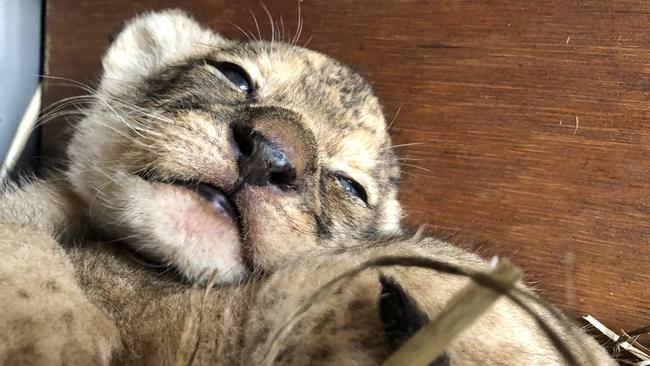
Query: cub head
[209, 154]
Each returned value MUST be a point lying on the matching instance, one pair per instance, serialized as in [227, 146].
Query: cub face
[208, 154]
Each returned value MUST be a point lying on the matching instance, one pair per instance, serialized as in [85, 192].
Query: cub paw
[52, 333]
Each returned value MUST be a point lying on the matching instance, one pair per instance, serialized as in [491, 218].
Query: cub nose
[275, 148]
[262, 162]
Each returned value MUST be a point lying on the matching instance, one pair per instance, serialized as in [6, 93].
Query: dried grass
[625, 342]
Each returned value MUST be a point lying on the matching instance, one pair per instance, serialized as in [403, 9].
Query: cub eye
[235, 73]
[351, 186]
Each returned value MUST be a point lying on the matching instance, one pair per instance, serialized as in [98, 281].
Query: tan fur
[46, 318]
[162, 113]
[143, 123]
[238, 322]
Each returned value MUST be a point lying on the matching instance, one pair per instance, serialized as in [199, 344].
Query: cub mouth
[217, 198]
[213, 207]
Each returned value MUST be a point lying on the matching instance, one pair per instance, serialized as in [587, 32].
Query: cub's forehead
[337, 103]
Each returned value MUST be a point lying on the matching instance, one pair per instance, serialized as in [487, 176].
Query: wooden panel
[531, 117]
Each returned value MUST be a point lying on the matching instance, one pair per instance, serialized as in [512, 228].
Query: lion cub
[264, 166]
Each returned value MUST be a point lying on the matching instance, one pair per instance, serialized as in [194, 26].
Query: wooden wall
[531, 121]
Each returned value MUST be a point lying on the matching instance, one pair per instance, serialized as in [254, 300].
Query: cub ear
[402, 317]
[151, 41]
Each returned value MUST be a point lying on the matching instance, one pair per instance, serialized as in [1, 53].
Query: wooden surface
[533, 119]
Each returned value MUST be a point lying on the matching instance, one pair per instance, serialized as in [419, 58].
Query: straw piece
[615, 337]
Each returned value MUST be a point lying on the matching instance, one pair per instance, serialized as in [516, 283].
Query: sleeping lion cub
[261, 166]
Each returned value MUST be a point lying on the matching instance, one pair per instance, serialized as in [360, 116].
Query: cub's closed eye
[234, 73]
[351, 186]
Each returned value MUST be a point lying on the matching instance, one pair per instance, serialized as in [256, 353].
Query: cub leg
[45, 318]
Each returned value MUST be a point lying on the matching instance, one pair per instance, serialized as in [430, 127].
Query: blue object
[20, 64]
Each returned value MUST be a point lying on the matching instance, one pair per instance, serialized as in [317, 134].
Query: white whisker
[416, 167]
[268, 14]
[308, 40]
[296, 37]
[248, 35]
[399, 109]
[257, 25]
[282, 27]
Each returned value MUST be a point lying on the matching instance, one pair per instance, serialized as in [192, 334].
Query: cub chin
[214, 156]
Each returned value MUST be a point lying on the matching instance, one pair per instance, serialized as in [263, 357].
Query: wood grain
[532, 119]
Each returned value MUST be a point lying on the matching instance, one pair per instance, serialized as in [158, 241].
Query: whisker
[411, 175]
[416, 167]
[402, 145]
[308, 40]
[282, 27]
[257, 25]
[399, 109]
[296, 37]
[250, 37]
[268, 14]
[79, 84]
[409, 159]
